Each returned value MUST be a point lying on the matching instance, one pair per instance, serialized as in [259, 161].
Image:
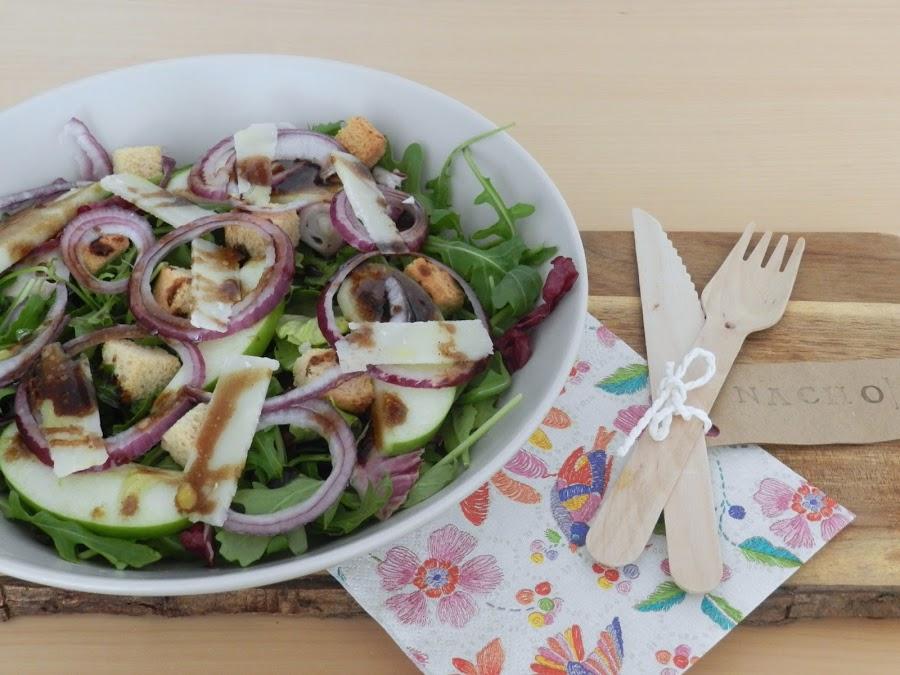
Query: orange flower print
[557, 419]
[489, 661]
[475, 506]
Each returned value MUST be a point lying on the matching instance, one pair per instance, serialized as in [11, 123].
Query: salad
[251, 355]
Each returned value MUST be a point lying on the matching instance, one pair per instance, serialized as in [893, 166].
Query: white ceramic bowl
[189, 104]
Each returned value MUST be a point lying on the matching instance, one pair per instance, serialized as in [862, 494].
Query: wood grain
[708, 114]
[317, 647]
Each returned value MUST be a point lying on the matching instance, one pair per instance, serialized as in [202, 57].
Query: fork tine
[774, 261]
[793, 263]
[740, 248]
[761, 247]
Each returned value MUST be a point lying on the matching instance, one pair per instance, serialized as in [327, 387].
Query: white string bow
[670, 401]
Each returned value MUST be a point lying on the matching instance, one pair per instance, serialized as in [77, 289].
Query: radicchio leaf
[402, 469]
[515, 345]
[197, 539]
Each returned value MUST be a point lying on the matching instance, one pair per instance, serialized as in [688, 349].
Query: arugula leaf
[519, 289]
[69, 537]
[446, 221]
[327, 128]
[259, 499]
[317, 270]
[538, 255]
[413, 165]
[302, 301]
[345, 520]
[489, 384]
[294, 541]
[244, 549]
[441, 185]
[23, 319]
[458, 426]
[458, 451]
[505, 227]
[286, 353]
[431, 481]
[267, 455]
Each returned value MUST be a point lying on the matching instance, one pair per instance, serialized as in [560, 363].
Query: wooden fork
[744, 296]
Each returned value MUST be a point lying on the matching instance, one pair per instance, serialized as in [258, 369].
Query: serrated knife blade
[673, 316]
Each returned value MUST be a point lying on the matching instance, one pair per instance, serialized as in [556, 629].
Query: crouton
[140, 371]
[354, 396]
[144, 161]
[254, 243]
[180, 441]
[438, 283]
[103, 250]
[362, 140]
[172, 290]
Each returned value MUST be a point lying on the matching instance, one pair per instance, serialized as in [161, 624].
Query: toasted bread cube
[172, 290]
[254, 243]
[143, 160]
[363, 140]
[355, 395]
[438, 283]
[180, 441]
[140, 371]
[104, 249]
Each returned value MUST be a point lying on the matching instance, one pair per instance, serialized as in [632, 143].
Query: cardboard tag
[809, 403]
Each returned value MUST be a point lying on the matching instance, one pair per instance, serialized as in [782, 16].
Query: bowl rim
[121, 583]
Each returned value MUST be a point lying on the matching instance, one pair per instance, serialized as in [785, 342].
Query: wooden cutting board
[846, 305]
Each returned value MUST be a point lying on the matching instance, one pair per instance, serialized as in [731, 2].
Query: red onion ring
[354, 232]
[322, 419]
[17, 200]
[92, 158]
[315, 389]
[16, 365]
[31, 433]
[92, 224]
[434, 377]
[133, 442]
[275, 282]
[211, 177]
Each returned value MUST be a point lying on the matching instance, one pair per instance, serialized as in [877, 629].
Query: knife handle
[632, 505]
[692, 535]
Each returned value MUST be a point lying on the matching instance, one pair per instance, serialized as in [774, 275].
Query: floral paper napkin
[502, 583]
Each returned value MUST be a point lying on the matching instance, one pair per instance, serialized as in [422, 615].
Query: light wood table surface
[709, 114]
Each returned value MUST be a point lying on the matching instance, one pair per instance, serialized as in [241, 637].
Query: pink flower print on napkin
[628, 418]
[808, 502]
[443, 577]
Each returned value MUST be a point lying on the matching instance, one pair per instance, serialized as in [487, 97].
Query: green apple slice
[131, 501]
[406, 418]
